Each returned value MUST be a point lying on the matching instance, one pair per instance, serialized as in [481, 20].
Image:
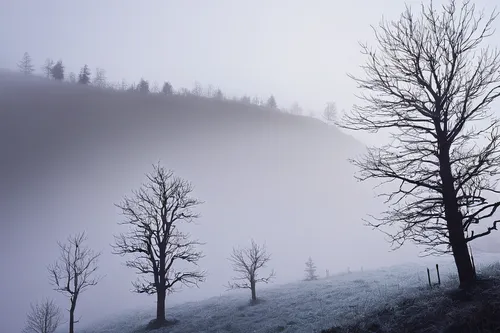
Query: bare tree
[123, 85]
[47, 68]
[430, 84]
[26, 65]
[210, 92]
[43, 317]
[296, 109]
[257, 101]
[330, 113]
[72, 77]
[100, 78]
[155, 88]
[184, 92]
[74, 272]
[197, 89]
[246, 264]
[310, 270]
[154, 240]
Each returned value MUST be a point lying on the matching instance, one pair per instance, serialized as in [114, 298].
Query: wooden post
[429, 277]
[439, 277]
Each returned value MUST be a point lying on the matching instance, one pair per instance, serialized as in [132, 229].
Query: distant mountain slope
[68, 153]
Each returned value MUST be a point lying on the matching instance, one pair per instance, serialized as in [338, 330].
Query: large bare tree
[75, 271]
[430, 83]
[153, 215]
[44, 317]
[247, 262]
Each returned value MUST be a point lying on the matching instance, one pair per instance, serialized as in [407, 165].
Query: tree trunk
[454, 223]
[254, 294]
[160, 307]
[72, 317]
[462, 261]
[160, 286]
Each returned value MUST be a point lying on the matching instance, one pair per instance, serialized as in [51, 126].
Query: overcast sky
[298, 50]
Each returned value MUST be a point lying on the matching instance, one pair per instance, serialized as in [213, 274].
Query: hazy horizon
[295, 50]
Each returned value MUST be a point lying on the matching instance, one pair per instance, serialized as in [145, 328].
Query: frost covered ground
[299, 307]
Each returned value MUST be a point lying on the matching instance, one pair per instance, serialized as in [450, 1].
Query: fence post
[439, 277]
[429, 278]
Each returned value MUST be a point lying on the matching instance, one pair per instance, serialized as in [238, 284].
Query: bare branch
[44, 317]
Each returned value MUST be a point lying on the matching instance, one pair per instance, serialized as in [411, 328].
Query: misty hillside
[69, 153]
[389, 299]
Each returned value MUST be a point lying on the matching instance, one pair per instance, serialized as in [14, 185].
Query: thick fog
[69, 153]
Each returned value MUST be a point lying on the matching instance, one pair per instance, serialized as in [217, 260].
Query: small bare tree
[296, 109]
[74, 272]
[72, 77]
[330, 113]
[154, 240]
[43, 317]
[310, 270]
[47, 67]
[246, 264]
[155, 88]
[100, 78]
[26, 65]
[197, 89]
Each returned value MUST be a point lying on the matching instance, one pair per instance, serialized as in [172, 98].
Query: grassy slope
[393, 299]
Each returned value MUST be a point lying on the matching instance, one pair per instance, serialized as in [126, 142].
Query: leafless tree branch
[44, 317]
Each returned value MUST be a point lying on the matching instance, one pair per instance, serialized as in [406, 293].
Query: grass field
[378, 298]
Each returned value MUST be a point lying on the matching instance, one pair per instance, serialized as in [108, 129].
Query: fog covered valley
[71, 152]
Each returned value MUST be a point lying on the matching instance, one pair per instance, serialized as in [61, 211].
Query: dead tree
[74, 272]
[330, 113]
[100, 78]
[47, 67]
[246, 264]
[154, 215]
[26, 65]
[311, 270]
[430, 84]
[43, 317]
